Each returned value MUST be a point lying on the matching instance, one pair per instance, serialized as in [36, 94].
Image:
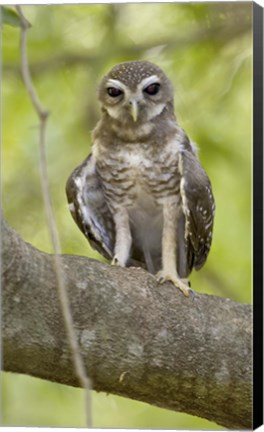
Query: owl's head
[135, 92]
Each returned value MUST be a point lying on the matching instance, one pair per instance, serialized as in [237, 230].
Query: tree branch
[138, 339]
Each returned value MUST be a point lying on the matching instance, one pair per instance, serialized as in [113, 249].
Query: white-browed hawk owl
[142, 197]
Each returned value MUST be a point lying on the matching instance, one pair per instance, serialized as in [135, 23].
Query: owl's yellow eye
[114, 91]
[152, 89]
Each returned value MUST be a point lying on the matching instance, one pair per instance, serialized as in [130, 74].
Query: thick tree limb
[139, 340]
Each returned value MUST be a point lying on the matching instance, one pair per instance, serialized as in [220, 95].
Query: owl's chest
[138, 175]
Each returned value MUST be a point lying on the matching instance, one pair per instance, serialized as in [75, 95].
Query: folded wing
[198, 208]
[89, 208]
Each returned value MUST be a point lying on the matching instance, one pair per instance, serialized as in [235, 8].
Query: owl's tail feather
[148, 260]
[153, 262]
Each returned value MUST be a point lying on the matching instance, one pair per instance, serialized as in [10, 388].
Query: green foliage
[206, 49]
[34, 402]
[9, 16]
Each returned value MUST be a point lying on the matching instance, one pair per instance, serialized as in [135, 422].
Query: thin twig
[65, 305]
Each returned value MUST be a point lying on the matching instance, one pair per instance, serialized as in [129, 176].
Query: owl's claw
[117, 262]
[182, 284]
[193, 295]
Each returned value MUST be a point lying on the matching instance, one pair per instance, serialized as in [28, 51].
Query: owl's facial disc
[140, 102]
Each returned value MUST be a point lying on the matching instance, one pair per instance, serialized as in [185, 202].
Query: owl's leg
[169, 240]
[123, 238]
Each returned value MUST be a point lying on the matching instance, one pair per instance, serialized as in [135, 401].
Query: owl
[141, 197]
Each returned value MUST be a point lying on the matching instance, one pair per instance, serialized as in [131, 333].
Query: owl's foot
[182, 284]
[116, 261]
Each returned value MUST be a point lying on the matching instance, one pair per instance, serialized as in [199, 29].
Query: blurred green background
[206, 50]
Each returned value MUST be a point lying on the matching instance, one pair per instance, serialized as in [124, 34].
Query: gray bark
[138, 339]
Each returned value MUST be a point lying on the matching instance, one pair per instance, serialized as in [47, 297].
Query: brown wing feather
[89, 208]
[198, 208]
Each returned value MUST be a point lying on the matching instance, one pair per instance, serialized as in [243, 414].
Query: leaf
[9, 16]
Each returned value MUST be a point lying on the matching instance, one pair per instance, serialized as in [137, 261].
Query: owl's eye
[152, 89]
[114, 91]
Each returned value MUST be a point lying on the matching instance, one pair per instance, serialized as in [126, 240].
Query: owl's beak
[134, 109]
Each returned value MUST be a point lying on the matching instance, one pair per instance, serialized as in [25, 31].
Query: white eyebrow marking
[116, 83]
[147, 81]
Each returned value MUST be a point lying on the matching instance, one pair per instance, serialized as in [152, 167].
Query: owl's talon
[116, 262]
[160, 278]
[182, 284]
[193, 295]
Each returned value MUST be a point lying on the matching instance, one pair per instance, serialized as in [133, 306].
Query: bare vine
[43, 114]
